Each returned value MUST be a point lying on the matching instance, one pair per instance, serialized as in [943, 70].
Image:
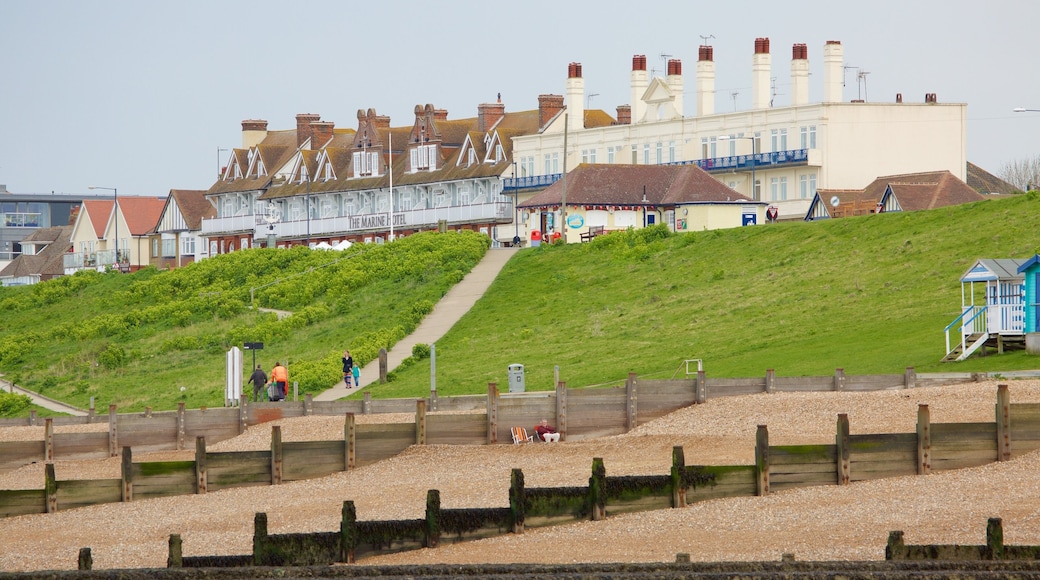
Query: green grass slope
[869, 294]
[155, 339]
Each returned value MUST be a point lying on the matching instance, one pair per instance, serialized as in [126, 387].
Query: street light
[516, 213]
[754, 161]
[1025, 110]
[115, 207]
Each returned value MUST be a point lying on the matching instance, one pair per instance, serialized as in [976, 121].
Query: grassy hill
[869, 294]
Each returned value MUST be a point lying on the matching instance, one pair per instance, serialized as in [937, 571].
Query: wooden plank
[963, 461]
[74, 493]
[310, 459]
[719, 387]
[231, 469]
[793, 482]
[730, 481]
[80, 445]
[468, 429]
[803, 384]
[14, 454]
[880, 472]
[798, 454]
[163, 479]
[17, 502]
[875, 382]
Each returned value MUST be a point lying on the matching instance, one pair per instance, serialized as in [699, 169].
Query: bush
[112, 357]
[12, 404]
[421, 351]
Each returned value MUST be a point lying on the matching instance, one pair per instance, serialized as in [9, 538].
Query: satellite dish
[835, 201]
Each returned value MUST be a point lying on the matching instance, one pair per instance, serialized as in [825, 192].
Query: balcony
[511, 183]
[747, 162]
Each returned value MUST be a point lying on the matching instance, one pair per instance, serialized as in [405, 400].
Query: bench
[591, 233]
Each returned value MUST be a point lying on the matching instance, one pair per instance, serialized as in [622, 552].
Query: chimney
[899, 97]
[438, 115]
[489, 113]
[303, 127]
[833, 57]
[575, 97]
[705, 81]
[675, 83]
[639, 80]
[253, 132]
[624, 115]
[799, 75]
[548, 107]
[321, 133]
[761, 69]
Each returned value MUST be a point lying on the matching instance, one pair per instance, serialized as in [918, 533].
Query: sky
[149, 96]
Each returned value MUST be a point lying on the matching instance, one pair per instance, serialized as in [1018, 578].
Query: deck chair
[520, 435]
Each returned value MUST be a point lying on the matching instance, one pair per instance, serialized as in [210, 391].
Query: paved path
[445, 314]
[41, 401]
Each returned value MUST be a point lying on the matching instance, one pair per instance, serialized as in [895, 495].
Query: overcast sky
[141, 95]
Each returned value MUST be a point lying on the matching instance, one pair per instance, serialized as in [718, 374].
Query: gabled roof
[595, 118]
[275, 150]
[48, 263]
[99, 211]
[141, 214]
[193, 206]
[928, 190]
[983, 181]
[1031, 262]
[987, 269]
[603, 184]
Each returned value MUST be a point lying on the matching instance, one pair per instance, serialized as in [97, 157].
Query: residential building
[24, 213]
[41, 257]
[789, 150]
[105, 228]
[177, 240]
[371, 183]
[891, 193]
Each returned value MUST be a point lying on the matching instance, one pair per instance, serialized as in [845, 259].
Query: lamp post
[754, 160]
[1025, 110]
[516, 213]
[115, 212]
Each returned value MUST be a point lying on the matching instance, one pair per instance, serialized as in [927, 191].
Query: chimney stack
[321, 133]
[705, 81]
[253, 132]
[799, 75]
[675, 83]
[489, 113]
[548, 107]
[575, 97]
[624, 115]
[639, 81]
[303, 127]
[761, 69]
[833, 57]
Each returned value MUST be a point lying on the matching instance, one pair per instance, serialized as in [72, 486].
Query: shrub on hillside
[13, 404]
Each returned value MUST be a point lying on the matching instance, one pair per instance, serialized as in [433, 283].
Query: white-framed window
[812, 185]
[169, 246]
[500, 153]
[774, 188]
[188, 244]
[424, 158]
[671, 152]
[610, 153]
[584, 155]
[803, 184]
[471, 159]
[548, 164]
[155, 248]
[646, 154]
[660, 152]
[366, 163]
[808, 137]
[709, 147]
[779, 137]
[243, 243]
[783, 189]
[555, 162]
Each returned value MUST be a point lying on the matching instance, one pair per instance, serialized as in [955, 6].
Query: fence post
[839, 379]
[276, 454]
[148, 412]
[433, 518]
[433, 399]
[349, 435]
[91, 413]
[678, 481]
[366, 403]
[995, 538]
[770, 380]
[243, 414]
[842, 441]
[924, 441]
[201, 476]
[308, 404]
[260, 539]
[1003, 423]
[48, 439]
[174, 558]
[517, 500]
[180, 426]
[113, 432]
[492, 414]
[561, 409]
[895, 549]
[86, 561]
[701, 394]
[32, 417]
[598, 490]
[50, 488]
[910, 378]
[382, 366]
[631, 403]
[762, 461]
[348, 532]
[128, 475]
[420, 422]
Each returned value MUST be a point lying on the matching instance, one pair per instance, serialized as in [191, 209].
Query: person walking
[280, 376]
[348, 368]
[357, 375]
[259, 380]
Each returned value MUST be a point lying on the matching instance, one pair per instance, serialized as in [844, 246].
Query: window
[779, 137]
[471, 159]
[812, 185]
[169, 247]
[783, 189]
[671, 152]
[155, 248]
[584, 155]
[646, 154]
[548, 164]
[366, 163]
[660, 152]
[732, 145]
[783, 139]
[555, 162]
[610, 153]
[592, 156]
[187, 245]
[424, 158]
[774, 188]
[243, 243]
[808, 137]
[803, 184]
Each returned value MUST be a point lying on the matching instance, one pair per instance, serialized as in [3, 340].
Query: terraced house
[318, 183]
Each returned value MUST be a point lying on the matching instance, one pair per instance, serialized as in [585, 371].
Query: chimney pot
[674, 66]
[899, 97]
[705, 53]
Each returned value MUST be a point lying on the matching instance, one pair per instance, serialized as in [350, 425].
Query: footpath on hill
[445, 314]
[41, 401]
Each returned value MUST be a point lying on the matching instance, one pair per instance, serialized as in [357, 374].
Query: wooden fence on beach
[853, 457]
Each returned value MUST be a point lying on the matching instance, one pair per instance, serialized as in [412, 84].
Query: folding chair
[520, 435]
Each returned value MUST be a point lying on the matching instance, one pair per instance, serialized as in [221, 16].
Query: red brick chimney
[254, 125]
[489, 113]
[624, 115]
[440, 114]
[321, 133]
[303, 126]
[548, 107]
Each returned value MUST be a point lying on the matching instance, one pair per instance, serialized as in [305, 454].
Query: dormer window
[328, 174]
[366, 163]
[471, 158]
[423, 158]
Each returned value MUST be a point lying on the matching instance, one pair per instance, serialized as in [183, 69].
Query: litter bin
[536, 238]
[516, 379]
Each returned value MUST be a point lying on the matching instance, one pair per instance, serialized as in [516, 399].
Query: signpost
[771, 213]
[253, 346]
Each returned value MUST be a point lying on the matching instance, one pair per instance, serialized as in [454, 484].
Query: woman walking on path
[348, 368]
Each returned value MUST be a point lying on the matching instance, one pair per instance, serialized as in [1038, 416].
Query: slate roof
[48, 263]
[983, 181]
[603, 184]
[928, 190]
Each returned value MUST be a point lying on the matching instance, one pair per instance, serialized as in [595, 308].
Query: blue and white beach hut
[991, 309]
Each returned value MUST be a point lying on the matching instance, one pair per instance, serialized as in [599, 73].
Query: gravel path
[822, 523]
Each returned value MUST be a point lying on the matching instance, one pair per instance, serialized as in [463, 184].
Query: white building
[789, 150]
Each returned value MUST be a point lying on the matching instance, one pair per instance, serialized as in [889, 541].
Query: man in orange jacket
[280, 377]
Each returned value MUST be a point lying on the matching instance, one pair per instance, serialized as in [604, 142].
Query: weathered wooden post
[492, 414]
[909, 378]
[113, 432]
[841, 440]
[201, 476]
[147, 412]
[180, 426]
[1003, 423]
[276, 454]
[243, 413]
[839, 379]
[308, 404]
[995, 538]
[701, 394]
[770, 381]
[433, 519]
[762, 461]
[895, 549]
[598, 490]
[48, 439]
[175, 558]
[924, 441]
[678, 481]
[128, 475]
[348, 532]
[561, 410]
[382, 366]
[631, 403]
[349, 438]
[32, 417]
[51, 488]
[517, 500]
[86, 561]
[420, 422]
[260, 551]
[366, 403]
